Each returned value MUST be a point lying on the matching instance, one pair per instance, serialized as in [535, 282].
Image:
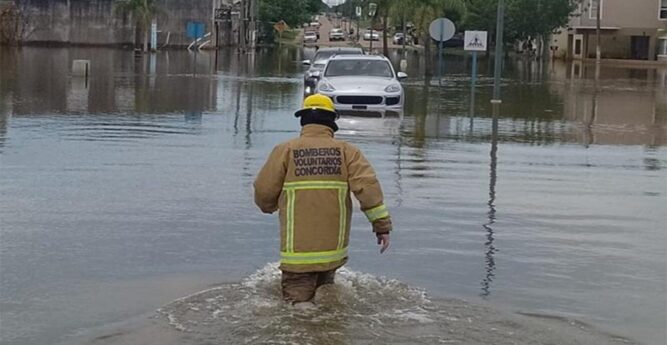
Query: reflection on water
[543, 104]
[553, 204]
[544, 107]
[490, 248]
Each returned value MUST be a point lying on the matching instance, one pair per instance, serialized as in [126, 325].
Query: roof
[583, 27]
[339, 49]
[359, 57]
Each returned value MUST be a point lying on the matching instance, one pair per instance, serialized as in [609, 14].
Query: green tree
[142, 11]
[294, 12]
[537, 19]
[524, 19]
[315, 6]
[481, 15]
[384, 8]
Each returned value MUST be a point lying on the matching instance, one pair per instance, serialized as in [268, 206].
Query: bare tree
[16, 22]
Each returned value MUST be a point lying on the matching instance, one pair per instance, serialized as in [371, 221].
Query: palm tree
[425, 12]
[384, 8]
[142, 11]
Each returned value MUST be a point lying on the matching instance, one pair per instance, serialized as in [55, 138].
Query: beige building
[630, 29]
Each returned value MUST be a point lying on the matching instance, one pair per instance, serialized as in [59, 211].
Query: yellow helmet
[317, 102]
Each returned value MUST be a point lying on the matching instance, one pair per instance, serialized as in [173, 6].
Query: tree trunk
[546, 48]
[146, 39]
[427, 54]
[491, 39]
[137, 35]
[385, 48]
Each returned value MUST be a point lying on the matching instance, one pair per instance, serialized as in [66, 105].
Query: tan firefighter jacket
[309, 180]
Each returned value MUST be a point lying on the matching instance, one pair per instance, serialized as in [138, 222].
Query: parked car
[376, 35]
[336, 34]
[454, 42]
[309, 37]
[398, 38]
[362, 83]
[322, 56]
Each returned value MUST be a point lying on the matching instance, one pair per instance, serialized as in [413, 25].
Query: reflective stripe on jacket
[309, 180]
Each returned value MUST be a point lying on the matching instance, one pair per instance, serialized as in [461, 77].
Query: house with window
[630, 29]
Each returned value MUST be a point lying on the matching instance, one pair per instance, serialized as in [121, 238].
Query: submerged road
[131, 192]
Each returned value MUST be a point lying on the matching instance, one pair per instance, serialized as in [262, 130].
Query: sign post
[441, 30]
[498, 65]
[280, 27]
[474, 41]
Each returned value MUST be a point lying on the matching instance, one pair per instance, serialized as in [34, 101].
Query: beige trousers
[301, 287]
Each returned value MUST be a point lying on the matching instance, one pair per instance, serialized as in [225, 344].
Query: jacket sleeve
[366, 188]
[269, 182]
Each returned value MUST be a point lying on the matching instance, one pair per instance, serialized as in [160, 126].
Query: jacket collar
[314, 130]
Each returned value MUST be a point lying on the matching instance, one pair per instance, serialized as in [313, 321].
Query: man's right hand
[383, 241]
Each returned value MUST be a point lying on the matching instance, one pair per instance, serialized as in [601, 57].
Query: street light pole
[598, 52]
[499, 52]
[404, 59]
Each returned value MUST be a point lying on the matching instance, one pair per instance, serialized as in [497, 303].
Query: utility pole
[370, 49]
[404, 60]
[405, 34]
[372, 10]
[243, 16]
[253, 23]
[598, 52]
[358, 28]
[499, 52]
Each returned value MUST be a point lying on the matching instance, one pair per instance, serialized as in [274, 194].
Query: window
[662, 46]
[593, 9]
[370, 68]
[663, 9]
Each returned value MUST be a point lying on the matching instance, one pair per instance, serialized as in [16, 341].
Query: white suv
[362, 83]
[336, 35]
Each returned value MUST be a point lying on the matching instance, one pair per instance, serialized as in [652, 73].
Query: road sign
[475, 41]
[442, 29]
[280, 26]
[195, 30]
[372, 9]
[358, 11]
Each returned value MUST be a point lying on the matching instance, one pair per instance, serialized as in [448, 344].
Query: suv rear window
[371, 68]
[324, 55]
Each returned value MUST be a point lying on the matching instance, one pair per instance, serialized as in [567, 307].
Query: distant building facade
[630, 29]
[93, 22]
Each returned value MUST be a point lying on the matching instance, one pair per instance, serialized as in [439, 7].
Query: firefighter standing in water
[308, 180]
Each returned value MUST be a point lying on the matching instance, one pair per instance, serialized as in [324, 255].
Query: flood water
[127, 197]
